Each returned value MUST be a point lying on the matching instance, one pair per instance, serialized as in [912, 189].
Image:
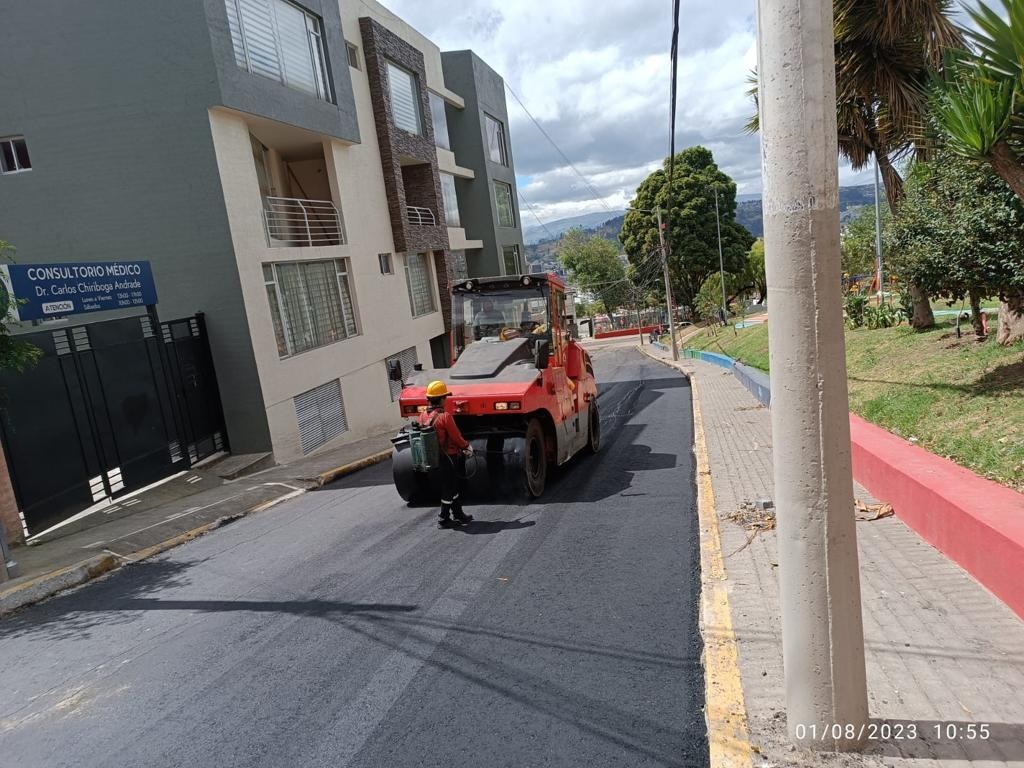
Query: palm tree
[886, 53]
[979, 108]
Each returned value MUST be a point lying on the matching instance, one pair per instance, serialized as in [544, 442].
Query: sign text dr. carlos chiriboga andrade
[55, 290]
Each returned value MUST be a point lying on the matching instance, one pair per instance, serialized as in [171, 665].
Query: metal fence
[420, 216]
[296, 222]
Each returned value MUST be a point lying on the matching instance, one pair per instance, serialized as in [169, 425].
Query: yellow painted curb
[353, 466]
[725, 712]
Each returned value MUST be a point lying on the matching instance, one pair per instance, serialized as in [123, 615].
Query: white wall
[385, 321]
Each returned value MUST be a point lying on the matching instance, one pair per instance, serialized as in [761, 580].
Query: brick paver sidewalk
[942, 652]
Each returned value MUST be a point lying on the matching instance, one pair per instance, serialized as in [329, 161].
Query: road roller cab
[523, 390]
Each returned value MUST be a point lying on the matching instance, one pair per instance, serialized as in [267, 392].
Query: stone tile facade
[409, 161]
[9, 519]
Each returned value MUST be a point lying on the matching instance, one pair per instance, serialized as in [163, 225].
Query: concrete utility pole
[822, 631]
[668, 288]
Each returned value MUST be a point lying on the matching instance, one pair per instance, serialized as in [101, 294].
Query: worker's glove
[467, 452]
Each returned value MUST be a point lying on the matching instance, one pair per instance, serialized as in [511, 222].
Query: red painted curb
[975, 522]
[625, 332]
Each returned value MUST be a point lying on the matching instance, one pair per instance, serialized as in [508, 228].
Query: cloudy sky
[596, 77]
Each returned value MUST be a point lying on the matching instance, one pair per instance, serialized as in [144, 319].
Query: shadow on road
[478, 527]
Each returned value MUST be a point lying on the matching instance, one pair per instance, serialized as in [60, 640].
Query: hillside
[851, 199]
[540, 247]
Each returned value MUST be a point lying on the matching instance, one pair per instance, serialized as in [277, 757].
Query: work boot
[460, 517]
[444, 517]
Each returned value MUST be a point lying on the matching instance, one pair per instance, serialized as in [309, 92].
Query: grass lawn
[960, 399]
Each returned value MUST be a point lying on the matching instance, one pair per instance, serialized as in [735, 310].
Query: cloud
[596, 78]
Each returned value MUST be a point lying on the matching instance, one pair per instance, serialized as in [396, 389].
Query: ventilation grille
[321, 415]
[408, 359]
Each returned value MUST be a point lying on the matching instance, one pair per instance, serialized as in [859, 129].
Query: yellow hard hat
[437, 389]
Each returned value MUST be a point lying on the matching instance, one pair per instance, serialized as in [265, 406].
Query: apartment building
[304, 173]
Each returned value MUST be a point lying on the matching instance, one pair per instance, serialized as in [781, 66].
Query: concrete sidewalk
[168, 515]
[942, 652]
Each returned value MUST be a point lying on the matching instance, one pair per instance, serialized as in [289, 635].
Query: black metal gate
[111, 407]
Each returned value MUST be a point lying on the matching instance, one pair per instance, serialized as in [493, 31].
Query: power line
[533, 210]
[597, 195]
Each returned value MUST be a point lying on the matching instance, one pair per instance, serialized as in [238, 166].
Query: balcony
[295, 222]
[420, 216]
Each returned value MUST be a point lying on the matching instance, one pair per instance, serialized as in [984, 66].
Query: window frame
[386, 260]
[433, 100]
[414, 81]
[352, 52]
[13, 141]
[502, 140]
[451, 221]
[504, 256]
[511, 204]
[429, 282]
[342, 271]
[317, 50]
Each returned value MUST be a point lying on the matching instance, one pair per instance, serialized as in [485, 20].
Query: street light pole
[819, 587]
[668, 288]
[721, 261]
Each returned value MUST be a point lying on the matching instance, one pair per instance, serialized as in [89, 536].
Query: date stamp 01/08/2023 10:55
[883, 730]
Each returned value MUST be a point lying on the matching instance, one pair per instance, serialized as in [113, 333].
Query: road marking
[724, 710]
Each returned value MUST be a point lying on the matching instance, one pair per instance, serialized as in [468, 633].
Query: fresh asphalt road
[344, 629]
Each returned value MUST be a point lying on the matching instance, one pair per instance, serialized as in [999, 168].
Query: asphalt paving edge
[49, 584]
[353, 466]
[724, 708]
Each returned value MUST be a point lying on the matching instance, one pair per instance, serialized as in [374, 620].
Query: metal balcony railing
[295, 222]
[420, 216]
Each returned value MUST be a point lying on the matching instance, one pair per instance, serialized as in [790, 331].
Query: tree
[979, 106]
[960, 233]
[754, 272]
[595, 266]
[887, 51]
[14, 354]
[709, 298]
[690, 226]
[980, 113]
[858, 241]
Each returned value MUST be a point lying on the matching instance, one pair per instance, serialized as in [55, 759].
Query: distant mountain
[748, 207]
[554, 229]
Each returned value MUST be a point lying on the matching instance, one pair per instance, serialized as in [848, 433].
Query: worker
[454, 450]
[488, 321]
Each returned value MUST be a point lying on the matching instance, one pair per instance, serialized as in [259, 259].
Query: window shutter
[320, 414]
[404, 99]
[258, 25]
[298, 63]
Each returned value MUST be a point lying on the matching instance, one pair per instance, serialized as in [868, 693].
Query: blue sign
[39, 291]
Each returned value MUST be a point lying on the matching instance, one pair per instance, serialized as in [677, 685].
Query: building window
[386, 267]
[353, 55]
[510, 257]
[405, 99]
[418, 278]
[320, 414]
[439, 119]
[311, 304]
[14, 155]
[451, 200]
[276, 39]
[408, 359]
[496, 149]
[460, 268]
[503, 199]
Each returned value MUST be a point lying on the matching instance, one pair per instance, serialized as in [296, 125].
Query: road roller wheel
[535, 459]
[594, 430]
